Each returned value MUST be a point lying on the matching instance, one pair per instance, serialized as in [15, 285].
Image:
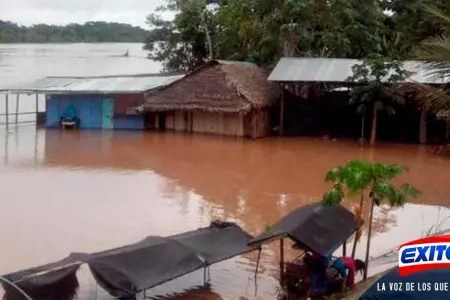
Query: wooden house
[220, 97]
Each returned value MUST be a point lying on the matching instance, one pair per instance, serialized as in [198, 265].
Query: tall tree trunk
[369, 235]
[363, 125]
[208, 37]
[360, 223]
[373, 134]
[423, 126]
[281, 127]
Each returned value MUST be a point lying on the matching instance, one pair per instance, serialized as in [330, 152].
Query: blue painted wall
[89, 110]
[129, 122]
[88, 107]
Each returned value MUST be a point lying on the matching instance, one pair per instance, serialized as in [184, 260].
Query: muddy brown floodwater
[93, 190]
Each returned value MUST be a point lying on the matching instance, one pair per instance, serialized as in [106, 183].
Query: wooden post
[373, 131]
[355, 242]
[254, 112]
[37, 106]
[257, 262]
[447, 134]
[423, 126]
[6, 150]
[359, 221]
[7, 110]
[282, 261]
[363, 128]
[17, 109]
[36, 141]
[280, 130]
[344, 248]
[369, 235]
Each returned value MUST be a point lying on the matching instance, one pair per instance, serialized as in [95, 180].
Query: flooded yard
[87, 191]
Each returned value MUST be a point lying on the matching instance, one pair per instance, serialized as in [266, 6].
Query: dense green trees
[261, 31]
[181, 44]
[73, 33]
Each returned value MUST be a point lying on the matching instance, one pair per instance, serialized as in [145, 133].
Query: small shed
[220, 97]
[99, 102]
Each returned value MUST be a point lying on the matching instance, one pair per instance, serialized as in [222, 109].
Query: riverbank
[89, 32]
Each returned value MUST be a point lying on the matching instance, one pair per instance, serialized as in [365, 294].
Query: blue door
[107, 113]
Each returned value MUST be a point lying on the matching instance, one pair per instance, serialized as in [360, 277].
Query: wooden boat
[315, 229]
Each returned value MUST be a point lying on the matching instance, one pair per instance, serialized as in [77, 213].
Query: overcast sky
[61, 12]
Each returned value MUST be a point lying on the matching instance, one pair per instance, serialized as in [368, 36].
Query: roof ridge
[239, 86]
[118, 76]
[231, 80]
[345, 58]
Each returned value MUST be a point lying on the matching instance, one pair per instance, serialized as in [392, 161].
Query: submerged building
[315, 102]
[220, 97]
[99, 102]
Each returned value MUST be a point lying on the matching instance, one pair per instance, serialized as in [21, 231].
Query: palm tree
[435, 51]
[359, 176]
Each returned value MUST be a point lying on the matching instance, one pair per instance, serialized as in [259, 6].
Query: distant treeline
[90, 32]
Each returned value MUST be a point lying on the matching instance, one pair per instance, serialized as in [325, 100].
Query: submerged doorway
[107, 113]
[161, 117]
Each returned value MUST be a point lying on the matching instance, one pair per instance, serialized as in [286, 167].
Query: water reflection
[93, 190]
[411, 222]
[23, 145]
[191, 293]
[273, 175]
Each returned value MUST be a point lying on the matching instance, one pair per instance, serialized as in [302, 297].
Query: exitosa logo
[424, 254]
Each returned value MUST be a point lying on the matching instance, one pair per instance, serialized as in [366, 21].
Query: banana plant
[359, 177]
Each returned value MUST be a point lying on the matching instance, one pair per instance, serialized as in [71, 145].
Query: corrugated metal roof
[101, 85]
[336, 70]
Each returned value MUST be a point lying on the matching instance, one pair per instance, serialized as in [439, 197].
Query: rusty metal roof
[337, 70]
[96, 85]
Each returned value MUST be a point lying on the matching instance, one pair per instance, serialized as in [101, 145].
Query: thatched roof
[434, 99]
[219, 86]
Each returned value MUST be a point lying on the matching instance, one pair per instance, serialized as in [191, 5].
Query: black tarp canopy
[320, 228]
[133, 268]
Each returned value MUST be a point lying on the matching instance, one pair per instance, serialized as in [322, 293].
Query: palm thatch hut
[220, 97]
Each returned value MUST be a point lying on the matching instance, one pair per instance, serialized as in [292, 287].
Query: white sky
[61, 12]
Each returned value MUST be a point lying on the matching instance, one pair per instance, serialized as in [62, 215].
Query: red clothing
[351, 267]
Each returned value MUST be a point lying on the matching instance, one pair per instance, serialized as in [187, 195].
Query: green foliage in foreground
[90, 32]
[359, 175]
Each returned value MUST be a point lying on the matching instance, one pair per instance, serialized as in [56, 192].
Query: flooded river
[89, 191]
[93, 190]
